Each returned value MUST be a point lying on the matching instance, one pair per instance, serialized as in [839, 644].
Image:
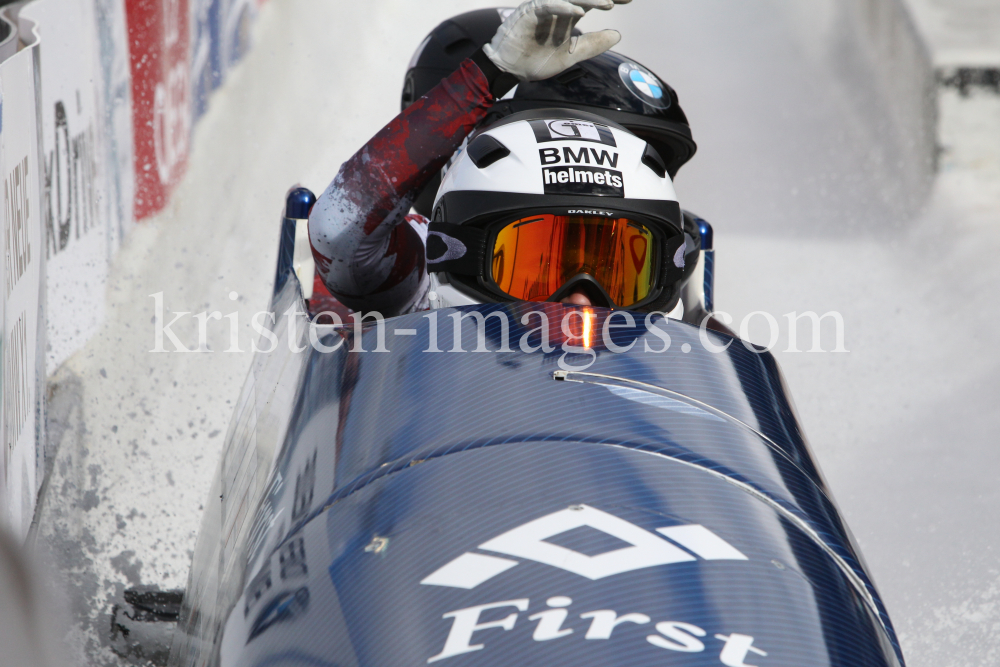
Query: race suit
[369, 250]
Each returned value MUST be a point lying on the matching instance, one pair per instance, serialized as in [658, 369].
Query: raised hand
[536, 42]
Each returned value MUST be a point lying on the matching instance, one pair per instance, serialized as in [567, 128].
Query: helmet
[545, 202]
[444, 49]
[611, 85]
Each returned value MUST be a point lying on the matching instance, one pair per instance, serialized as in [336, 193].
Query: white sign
[23, 248]
[75, 214]
[114, 105]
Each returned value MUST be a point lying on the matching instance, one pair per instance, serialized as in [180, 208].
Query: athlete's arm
[365, 256]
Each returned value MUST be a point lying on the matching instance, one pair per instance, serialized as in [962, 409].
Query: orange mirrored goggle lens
[535, 256]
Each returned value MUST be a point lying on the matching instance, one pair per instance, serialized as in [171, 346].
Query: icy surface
[790, 171]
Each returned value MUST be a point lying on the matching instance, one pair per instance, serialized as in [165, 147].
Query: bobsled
[518, 484]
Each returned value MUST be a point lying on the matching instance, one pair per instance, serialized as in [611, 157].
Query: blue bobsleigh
[465, 488]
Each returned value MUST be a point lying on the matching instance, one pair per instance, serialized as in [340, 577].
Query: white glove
[536, 42]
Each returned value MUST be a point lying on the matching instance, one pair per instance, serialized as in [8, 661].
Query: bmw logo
[643, 84]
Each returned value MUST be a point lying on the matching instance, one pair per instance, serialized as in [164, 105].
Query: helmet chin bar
[584, 282]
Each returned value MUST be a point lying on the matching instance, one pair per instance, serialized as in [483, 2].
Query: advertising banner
[95, 122]
[159, 37]
[221, 36]
[74, 191]
[114, 102]
[206, 61]
[23, 260]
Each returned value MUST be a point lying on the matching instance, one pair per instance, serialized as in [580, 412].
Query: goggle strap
[458, 249]
[675, 249]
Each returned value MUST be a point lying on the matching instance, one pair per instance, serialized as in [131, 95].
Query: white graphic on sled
[529, 543]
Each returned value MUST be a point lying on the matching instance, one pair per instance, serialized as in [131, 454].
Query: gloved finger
[592, 44]
[587, 5]
[561, 8]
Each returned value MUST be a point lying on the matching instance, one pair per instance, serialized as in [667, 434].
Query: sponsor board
[114, 104]
[206, 59]
[22, 259]
[221, 36]
[75, 197]
[159, 35]
[235, 22]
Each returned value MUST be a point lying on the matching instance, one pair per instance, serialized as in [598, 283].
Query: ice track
[808, 217]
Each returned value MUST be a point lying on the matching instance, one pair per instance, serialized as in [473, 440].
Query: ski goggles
[545, 256]
[534, 257]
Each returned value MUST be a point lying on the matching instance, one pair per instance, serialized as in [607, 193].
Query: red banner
[159, 38]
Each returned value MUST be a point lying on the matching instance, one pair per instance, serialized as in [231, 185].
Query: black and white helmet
[612, 85]
[545, 202]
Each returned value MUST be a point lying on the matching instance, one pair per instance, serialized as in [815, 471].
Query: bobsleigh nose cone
[298, 203]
